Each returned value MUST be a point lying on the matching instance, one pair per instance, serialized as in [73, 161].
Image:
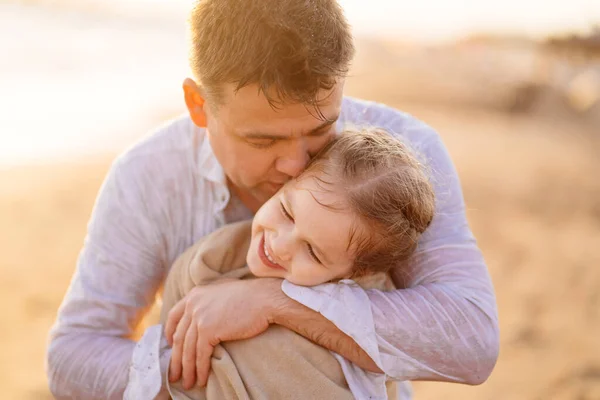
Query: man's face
[261, 147]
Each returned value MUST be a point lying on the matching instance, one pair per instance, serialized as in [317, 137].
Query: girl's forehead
[323, 190]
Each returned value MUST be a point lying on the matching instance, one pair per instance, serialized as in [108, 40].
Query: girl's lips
[263, 256]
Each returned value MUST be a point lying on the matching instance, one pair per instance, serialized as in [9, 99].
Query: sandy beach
[531, 187]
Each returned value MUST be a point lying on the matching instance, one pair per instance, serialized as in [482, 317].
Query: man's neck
[245, 197]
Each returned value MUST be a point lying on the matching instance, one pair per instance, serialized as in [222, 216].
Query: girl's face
[296, 238]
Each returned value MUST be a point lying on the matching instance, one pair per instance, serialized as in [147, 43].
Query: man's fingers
[177, 350]
[173, 320]
[189, 357]
[203, 354]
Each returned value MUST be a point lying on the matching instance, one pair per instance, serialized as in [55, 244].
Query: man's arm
[444, 325]
[117, 276]
[242, 309]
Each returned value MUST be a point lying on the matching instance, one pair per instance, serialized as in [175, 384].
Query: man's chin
[269, 189]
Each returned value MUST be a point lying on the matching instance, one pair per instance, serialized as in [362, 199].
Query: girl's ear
[356, 274]
[369, 280]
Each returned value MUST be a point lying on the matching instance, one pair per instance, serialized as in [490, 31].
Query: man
[267, 96]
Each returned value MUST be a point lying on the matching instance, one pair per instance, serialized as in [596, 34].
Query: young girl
[357, 211]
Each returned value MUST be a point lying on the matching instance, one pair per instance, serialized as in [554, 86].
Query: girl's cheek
[303, 271]
[267, 214]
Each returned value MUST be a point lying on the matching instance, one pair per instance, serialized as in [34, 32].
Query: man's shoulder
[363, 113]
[173, 136]
[169, 147]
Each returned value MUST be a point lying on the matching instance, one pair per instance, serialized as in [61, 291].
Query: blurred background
[512, 86]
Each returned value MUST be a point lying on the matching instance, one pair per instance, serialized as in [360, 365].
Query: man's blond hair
[291, 49]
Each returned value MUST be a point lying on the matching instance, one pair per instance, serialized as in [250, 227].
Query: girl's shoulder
[380, 281]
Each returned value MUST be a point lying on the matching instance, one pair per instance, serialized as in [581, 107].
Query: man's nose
[295, 158]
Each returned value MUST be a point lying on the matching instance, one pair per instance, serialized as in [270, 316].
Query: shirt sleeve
[346, 305]
[119, 271]
[444, 325]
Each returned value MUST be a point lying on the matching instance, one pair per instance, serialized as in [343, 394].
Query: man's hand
[215, 313]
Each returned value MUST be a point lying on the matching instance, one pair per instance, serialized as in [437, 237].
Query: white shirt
[168, 191]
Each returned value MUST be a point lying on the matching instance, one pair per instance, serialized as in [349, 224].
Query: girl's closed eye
[312, 253]
[285, 213]
[263, 143]
[308, 246]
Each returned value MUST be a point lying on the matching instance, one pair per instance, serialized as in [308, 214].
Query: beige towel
[277, 364]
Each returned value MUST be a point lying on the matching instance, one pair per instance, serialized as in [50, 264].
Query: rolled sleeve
[444, 324]
[118, 274]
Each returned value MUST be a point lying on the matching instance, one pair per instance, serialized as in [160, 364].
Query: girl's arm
[218, 256]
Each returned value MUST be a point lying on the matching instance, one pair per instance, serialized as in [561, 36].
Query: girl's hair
[386, 187]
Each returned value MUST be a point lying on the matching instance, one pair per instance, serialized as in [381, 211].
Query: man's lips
[263, 256]
[275, 186]
[277, 182]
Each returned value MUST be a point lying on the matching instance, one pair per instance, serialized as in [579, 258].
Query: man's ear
[194, 100]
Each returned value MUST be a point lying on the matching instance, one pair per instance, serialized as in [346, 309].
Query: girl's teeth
[267, 254]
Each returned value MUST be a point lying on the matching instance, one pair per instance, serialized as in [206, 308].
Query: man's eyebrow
[264, 136]
[290, 203]
[319, 130]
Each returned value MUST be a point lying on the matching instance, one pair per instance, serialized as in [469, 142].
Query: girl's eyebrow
[289, 199]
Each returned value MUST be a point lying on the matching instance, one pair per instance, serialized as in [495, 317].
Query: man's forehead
[246, 119]
[250, 99]
[274, 96]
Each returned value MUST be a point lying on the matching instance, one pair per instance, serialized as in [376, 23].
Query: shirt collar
[208, 165]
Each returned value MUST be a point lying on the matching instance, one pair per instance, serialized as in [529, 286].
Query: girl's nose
[282, 245]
